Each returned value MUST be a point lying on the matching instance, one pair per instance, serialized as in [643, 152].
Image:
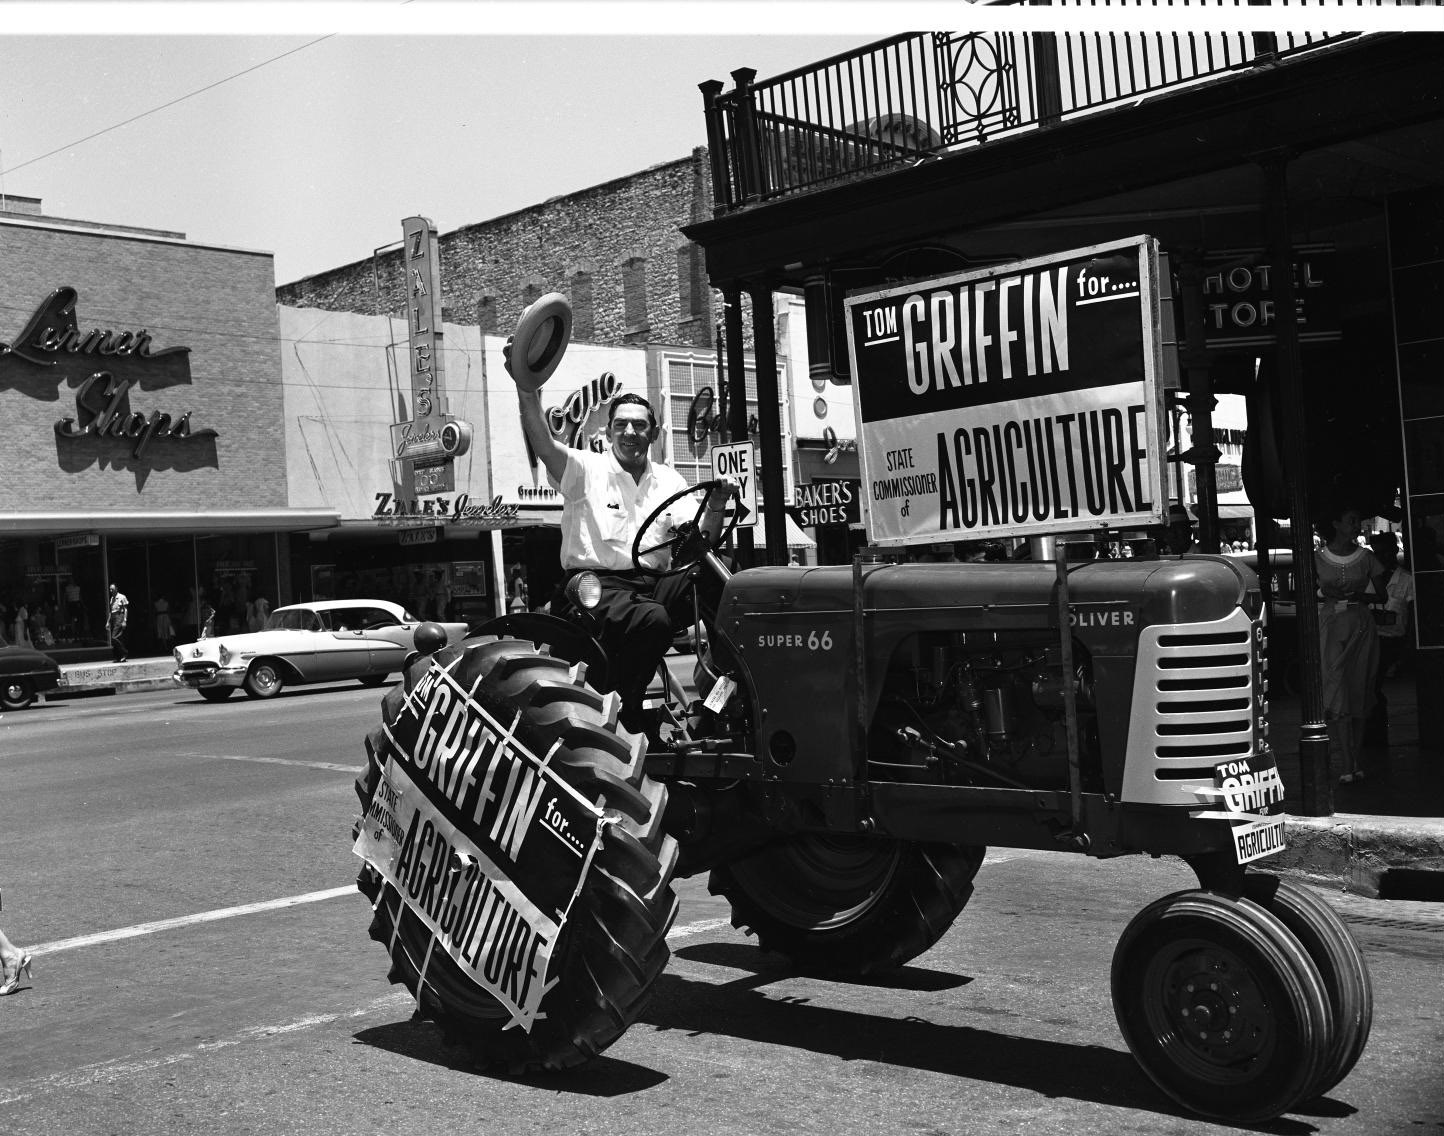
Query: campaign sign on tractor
[1015, 401]
[481, 839]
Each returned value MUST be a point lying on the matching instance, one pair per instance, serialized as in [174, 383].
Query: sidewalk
[1391, 823]
[1387, 830]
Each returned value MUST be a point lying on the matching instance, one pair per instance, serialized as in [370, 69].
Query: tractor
[860, 734]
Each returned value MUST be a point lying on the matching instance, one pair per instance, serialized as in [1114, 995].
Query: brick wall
[218, 302]
[616, 250]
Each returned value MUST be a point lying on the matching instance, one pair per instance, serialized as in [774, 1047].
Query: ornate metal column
[735, 427]
[769, 423]
[1316, 789]
[1203, 455]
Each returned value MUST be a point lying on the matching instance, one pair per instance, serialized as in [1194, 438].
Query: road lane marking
[187, 920]
[697, 928]
[329, 765]
[107, 1072]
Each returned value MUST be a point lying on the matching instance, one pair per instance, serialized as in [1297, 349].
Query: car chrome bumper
[204, 675]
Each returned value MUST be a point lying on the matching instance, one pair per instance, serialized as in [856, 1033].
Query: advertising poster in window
[1019, 400]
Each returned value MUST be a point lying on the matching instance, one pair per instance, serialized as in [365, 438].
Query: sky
[314, 144]
[315, 151]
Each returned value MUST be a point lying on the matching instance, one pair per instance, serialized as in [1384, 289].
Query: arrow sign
[737, 461]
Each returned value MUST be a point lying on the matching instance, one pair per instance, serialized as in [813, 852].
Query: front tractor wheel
[613, 945]
[1222, 1006]
[849, 905]
[1331, 946]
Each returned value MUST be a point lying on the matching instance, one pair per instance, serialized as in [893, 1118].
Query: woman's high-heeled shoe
[22, 967]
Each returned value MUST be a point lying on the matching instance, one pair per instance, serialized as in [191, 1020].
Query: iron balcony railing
[923, 93]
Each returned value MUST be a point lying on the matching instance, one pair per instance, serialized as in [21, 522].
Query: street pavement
[182, 871]
[1385, 833]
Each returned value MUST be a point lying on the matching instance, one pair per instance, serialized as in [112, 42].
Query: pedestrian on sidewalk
[13, 963]
[164, 628]
[1396, 634]
[119, 615]
[1348, 640]
[20, 633]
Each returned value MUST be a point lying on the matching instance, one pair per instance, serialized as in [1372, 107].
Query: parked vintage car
[24, 674]
[324, 641]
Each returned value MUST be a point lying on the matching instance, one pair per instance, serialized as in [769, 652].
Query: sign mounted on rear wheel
[486, 844]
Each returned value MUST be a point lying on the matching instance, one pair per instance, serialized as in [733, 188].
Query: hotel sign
[1239, 287]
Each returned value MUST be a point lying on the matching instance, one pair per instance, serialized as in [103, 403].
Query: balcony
[919, 95]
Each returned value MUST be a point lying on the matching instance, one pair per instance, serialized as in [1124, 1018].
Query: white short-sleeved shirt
[603, 505]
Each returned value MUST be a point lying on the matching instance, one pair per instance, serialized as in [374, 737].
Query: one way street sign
[735, 460]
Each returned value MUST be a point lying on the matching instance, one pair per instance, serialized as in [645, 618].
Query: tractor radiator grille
[1197, 691]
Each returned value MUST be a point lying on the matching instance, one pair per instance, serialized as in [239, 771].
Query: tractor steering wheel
[689, 543]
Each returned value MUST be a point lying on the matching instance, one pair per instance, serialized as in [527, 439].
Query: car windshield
[292, 619]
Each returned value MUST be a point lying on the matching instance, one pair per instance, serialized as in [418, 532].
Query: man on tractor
[606, 496]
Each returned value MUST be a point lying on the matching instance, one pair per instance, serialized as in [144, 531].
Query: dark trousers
[636, 630]
[639, 615]
[117, 644]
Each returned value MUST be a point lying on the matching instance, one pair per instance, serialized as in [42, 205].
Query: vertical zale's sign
[423, 449]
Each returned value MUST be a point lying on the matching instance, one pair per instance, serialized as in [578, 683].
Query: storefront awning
[141, 522]
[796, 538]
[1229, 512]
[366, 527]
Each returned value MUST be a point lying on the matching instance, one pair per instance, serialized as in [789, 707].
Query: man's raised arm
[534, 425]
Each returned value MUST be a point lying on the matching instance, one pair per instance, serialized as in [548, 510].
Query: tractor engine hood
[1187, 589]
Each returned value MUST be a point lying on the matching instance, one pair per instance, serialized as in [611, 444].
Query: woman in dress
[1348, 641]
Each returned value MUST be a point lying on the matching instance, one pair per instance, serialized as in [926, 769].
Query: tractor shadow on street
[742, 956]
[421, 1041]
[1056, 1069]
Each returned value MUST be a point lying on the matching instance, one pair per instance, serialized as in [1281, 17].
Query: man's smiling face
[630, 432]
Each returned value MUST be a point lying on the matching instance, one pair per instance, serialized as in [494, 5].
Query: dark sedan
[24, 673]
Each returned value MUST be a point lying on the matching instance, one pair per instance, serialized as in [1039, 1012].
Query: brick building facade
[616, 250]
[140, 386]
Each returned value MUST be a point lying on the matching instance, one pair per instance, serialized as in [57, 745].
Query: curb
[128, 686]
[1353, 852]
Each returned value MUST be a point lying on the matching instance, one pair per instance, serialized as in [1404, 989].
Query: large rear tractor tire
[849, 905]
[613, 946]
[1221, 1006]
